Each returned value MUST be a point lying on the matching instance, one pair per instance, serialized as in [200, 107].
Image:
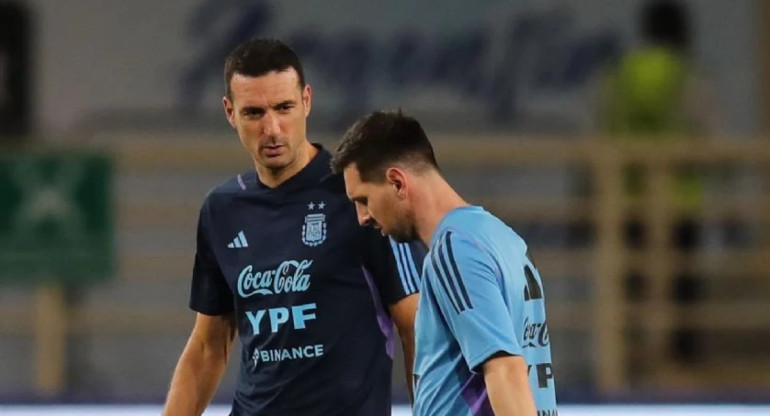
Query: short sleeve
[395, 267]
[464, 278]
[209, 294]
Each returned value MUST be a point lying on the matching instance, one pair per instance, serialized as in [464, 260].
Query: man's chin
[400, 238]
[273, 163]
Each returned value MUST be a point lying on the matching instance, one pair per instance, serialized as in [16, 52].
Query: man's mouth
[273, 150]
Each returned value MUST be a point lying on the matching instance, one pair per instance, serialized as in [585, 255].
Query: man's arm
[396, 271]
[201, 365]
[465, 284]
[508, 386]
[403, 313]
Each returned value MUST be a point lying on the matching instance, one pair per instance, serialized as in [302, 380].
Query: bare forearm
[508, 402]
[407, 343]
[195, 380]
[403, 313]
[508, 387]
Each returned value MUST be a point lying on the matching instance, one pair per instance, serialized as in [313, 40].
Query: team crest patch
[314, 230]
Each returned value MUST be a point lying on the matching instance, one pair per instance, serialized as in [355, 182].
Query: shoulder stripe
[397, 257]
[456, 270]
[413, 265]
[408, 270]
[442, 278]
[401, 265]
[452, 283]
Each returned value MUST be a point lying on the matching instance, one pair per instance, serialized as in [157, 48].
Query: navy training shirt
[309, 289]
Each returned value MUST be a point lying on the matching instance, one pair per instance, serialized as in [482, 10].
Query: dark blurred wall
[15, 71]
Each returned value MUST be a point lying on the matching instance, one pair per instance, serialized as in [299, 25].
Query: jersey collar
[446, 219]
[315, 172]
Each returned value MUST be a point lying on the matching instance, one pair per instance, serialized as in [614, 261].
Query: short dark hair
[257, 57]
[666, 22]
[383, 138]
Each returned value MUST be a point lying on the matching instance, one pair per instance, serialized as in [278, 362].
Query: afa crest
[314, 230]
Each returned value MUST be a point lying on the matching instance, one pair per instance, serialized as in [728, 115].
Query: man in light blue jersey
[482, 337]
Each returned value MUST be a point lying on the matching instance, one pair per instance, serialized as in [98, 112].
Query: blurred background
[626, 141]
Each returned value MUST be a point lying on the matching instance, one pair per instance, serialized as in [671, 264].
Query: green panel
[56, 217]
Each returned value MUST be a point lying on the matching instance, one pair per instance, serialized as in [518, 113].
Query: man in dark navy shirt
[281, 261]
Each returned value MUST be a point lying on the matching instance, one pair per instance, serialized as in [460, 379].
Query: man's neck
[273, 178]
[438, 198]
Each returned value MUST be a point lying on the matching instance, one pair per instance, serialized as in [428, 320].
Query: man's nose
[271, 126]
[363, 215]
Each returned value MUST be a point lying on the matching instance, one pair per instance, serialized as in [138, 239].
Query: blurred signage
[55, 217]
[15, 71]
[487, 64]
[528, 65]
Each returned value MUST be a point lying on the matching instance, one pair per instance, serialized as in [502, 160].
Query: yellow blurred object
[647, 94]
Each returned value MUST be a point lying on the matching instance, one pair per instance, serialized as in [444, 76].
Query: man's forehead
[273, 86]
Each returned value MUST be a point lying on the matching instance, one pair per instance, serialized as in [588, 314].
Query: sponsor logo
[533, 290]
[239, 241]
[289, 276]
[544, 373]
[287, 354]
[535, 334]
[276, 317]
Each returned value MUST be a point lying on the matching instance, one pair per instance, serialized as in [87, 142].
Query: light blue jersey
[480, 295]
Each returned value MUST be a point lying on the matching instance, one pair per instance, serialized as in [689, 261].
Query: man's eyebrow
[284, 103]
[253, 109]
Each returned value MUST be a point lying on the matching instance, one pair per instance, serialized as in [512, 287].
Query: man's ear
[307, 99]
[397, 178]
[229, 111]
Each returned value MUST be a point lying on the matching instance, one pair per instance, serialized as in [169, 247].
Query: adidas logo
[239, 241]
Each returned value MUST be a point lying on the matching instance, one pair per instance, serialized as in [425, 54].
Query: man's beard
[405, 232]
[404, 236]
